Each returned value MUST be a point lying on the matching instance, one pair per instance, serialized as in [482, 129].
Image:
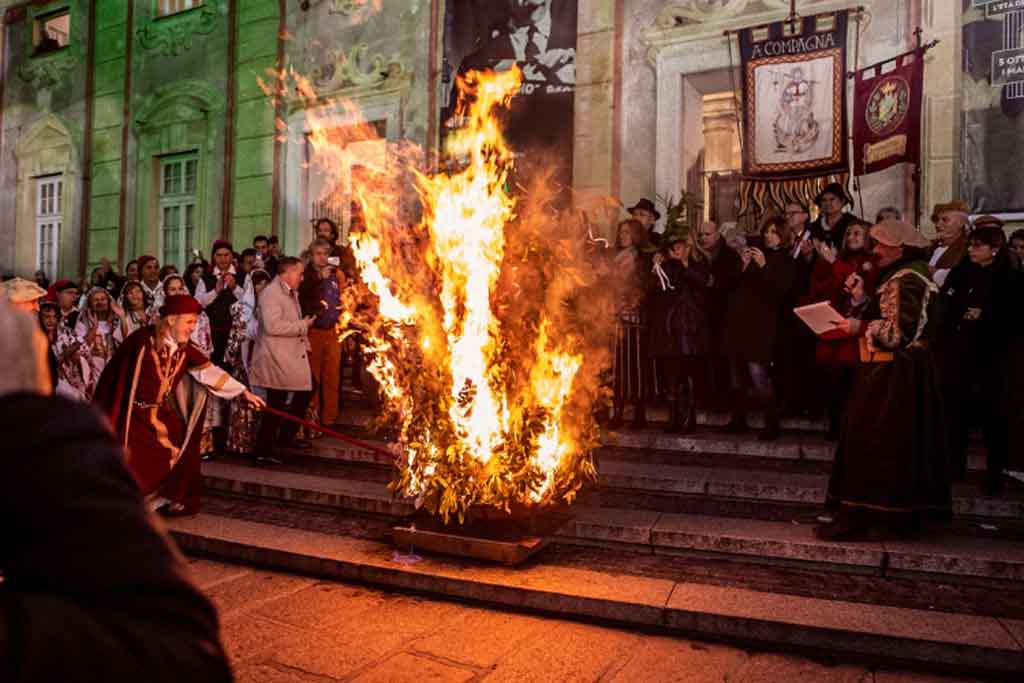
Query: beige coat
[281, 357]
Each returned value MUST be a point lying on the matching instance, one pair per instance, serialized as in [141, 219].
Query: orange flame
[491, 408]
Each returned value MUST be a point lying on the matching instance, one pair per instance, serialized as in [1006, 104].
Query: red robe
[157, 416]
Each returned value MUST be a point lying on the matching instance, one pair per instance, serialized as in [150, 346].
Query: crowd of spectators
[268, 320]
[706, 320]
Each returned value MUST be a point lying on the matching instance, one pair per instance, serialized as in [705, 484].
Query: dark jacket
[837, 234]
[678, 324]
[996, 290]
[726, 268]
[314, 299]
[93, 591]
[753, 313]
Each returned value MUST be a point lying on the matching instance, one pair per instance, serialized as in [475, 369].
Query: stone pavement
[281, 628]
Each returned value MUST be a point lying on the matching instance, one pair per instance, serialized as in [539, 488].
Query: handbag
[869, 356]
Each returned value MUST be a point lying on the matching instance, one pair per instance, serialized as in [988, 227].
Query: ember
[480, 312]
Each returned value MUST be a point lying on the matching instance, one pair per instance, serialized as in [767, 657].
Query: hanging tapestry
[887, 114]
[794, 107]
[539, 36]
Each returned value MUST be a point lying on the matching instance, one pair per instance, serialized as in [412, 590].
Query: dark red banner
[887, 114]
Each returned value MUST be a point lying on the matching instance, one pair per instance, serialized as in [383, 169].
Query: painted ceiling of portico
[683, 12]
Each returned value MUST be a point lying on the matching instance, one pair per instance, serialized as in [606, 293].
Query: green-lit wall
[190, 81]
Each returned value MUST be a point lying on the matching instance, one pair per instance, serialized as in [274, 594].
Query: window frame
[38, 22]
[157, 16]
[181, 200]
[51, 217]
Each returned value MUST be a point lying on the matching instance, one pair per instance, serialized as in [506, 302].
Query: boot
[640, 416]
[772, 431]
[616, 421]
[674, 423]
[737, 424]
[689, 423]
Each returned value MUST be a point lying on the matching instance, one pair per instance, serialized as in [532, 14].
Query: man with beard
[143, 393]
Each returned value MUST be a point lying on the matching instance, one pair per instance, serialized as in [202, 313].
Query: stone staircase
[724, 505]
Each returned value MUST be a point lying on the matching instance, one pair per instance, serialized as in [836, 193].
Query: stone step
[751, 491]
[646, 446]
[304, 489]
[361, 415]
[635, 482]
[880, 634]
[936, 553]
[650, 531]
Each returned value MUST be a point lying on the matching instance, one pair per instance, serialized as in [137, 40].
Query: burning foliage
[486, 322]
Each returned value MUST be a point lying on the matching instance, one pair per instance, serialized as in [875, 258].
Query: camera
[333, 261]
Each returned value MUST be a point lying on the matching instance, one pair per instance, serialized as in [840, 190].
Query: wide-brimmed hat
[646, 205]
[894, 233]
[836, 189]
[19, 291]
[959, 206]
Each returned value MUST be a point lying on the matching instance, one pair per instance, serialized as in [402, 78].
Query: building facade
[142, 127]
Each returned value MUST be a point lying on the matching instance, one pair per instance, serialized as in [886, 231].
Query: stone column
[593, 164]
[942, 84]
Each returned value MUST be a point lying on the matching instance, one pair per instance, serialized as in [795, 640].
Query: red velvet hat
[143, 260]
[180, 304]
[221, 244]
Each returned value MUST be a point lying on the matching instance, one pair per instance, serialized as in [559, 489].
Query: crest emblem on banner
[887, 113]
[887, 105]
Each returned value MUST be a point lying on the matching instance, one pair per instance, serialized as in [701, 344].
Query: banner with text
[887, 114]
[794, 98]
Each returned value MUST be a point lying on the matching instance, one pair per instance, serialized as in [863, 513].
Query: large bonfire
[481, 313]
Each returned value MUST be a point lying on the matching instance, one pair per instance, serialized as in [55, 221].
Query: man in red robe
[157, 412]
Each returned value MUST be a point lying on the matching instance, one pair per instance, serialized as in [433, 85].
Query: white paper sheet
[820, 317]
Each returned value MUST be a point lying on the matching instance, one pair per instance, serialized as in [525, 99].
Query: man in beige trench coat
[280, 361]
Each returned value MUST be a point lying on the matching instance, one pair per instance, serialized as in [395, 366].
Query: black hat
[647, 205]
[838, 190]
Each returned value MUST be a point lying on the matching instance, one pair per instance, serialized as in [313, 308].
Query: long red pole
[320, 428]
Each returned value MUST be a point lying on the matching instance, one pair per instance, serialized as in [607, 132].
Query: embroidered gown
[891, 461]
[144, 392]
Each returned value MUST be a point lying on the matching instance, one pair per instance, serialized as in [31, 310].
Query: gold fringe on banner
[760, 197]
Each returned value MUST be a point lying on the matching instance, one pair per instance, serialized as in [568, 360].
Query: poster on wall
[794, 98]
[992, 117]
[539, 36]
[887, 114]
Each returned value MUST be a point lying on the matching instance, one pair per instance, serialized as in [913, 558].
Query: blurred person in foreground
[891, 467]
[92, 590]
[156, 416]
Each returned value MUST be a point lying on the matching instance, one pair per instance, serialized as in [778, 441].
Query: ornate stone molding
[174, 34]
[354, 72]
[677, 32]
[347, 7]
[681, 12]
[47, 71]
